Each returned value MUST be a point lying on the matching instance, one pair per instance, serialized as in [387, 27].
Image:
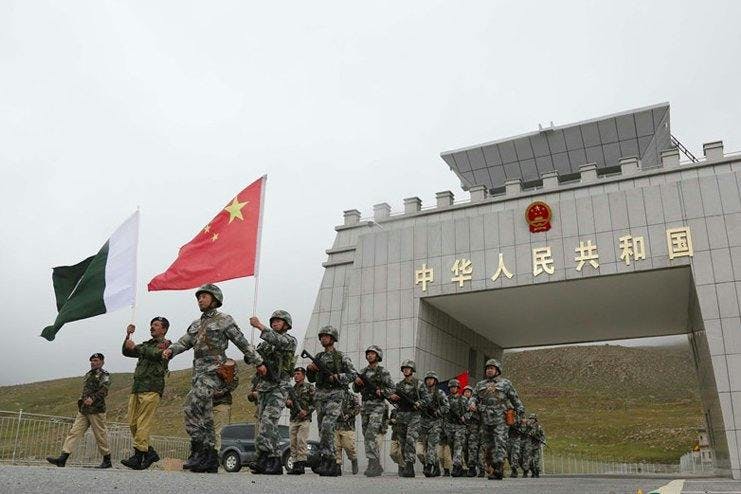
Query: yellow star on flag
[235, 209]
[207, 229]
[216, 235]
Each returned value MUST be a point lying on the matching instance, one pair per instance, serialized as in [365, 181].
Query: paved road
[22, 479]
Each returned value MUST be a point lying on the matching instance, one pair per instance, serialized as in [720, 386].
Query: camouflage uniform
[514, 447]
[534, 437]
[374, 407]
[345, 431]
[277, 351]
[431, 424]
[328, 397]
[395, 449]
[209, 337]
[456, 430]
[222, 403]
[473, 424]
[408, 418]
[303, 395]
[491, 397]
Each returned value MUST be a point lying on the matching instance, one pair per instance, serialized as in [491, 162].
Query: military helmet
[433, 375]
[331, 331]
[532, 416]
[281, 314]
[494, 362]
[454, 383]
[377, 350]
[469, 388]
[215, 292]
[410, 364]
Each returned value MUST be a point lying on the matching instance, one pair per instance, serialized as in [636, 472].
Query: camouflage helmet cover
[494, 362]
[284, 315]
[454, 383]
[410, 364]
[433, 375]
[377, 350]
[468, 388]
[331, 331]
[214, 291]
[532, 416]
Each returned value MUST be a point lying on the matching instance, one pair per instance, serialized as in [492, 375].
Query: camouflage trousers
[514, 448]
[530, 454]
[408, 424]
[328, 404]
[372, 420]
[456, 434]
[270, 403]
[472, 445]
[199, 409]
[429, 439]
[494, 440]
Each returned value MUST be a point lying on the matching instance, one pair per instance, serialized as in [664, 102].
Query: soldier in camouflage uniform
[374, 405]
[431, 426]
[490, 397]
[473, 423]
[222, 403]
[277, 350]
[344, 436]
[301, 404]
[395, 448]
[209, 337]
[534, 438]
[455, 428]
[515, 444]
[149, 384]
[411, 396]
[328, 398]
[90, 414]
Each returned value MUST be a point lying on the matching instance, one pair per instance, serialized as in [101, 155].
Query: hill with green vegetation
[603, 402]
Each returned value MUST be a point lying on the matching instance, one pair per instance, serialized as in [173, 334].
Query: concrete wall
[368, 288]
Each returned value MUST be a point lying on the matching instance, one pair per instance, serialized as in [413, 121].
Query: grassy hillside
[611, 402]
[606, 402]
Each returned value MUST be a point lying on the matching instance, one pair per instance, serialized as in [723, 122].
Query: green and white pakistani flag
[101, 283]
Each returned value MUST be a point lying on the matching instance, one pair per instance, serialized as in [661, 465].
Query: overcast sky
[176, 106]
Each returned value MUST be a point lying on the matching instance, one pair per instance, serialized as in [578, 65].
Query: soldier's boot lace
[150, 457]
[354, 466]
[195, 448]
[59, 461]
[106, 463]
[134, 462]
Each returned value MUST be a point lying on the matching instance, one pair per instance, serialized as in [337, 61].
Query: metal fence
[28, 438]
[576, 465]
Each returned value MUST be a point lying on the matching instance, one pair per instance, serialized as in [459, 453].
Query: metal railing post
[17, 432]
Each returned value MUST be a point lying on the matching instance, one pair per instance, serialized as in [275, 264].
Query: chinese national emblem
[538, 216]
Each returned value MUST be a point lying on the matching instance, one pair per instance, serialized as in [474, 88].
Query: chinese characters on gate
[632, 249]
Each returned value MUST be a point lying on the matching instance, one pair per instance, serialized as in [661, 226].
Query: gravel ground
[22, 479]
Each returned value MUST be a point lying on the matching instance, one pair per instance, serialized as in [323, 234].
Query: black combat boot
[259, 463]
[106, 463]
[60, 461]
[514, 473]
[327, 467]
[524, 473]
[457, 471]
[337, 471]
[374, 469]
[354, 466]
[536, 473]
[482, 472]
[208, 461]
[408, 470]
[195, 448]
[273, 466]
[401, 470]
[471, 471]
[446, 472]
[298, 468]
[436, 470]
[150, 457]
[427, 470]
[134, 462]
[498, 470]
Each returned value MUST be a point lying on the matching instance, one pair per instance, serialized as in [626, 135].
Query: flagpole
[136, 267]
[257, 253]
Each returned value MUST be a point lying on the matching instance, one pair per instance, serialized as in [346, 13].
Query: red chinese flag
[224, 249]
[463, 379]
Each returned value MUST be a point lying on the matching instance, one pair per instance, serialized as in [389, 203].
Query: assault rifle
[322, 368]
[406, 398]
[295, 407]
[370, 389]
